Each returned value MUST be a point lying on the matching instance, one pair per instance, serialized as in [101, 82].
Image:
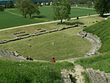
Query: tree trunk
[61, 21]
[30, 15]
[102, 14]
[24, 15]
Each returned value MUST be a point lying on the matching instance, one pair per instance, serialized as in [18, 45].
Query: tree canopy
[27, 7]
[62, 9]
[102, 6]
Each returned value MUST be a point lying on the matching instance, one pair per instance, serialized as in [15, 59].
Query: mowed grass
[31, 72]
[101, 62]
[61, 45]
[7, 34]
[12, 17]
[10, 20]
[48, 12]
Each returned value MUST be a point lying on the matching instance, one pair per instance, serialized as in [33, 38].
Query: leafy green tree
[89, 4]
[62, 9]
[27, 7]
[9, 4]
[2, 8]
[102, 6]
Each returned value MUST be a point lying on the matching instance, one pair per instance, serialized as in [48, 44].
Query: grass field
[31, 72]
[101, 62]
[62, 45]
[66, 45]
[12, 17]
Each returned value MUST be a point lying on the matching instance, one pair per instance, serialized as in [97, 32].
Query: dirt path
[78, 73]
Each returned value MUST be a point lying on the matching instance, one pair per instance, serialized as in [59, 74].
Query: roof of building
[32, 0]
[3, 2]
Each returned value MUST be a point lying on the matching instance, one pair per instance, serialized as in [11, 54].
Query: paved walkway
[43, 23]
[84, 8]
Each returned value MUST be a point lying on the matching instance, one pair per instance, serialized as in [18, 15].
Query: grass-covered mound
[101, 62]
[31, 72]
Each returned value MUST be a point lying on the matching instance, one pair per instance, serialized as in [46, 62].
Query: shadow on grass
[40, 16]
[71, 23]
[105, 16]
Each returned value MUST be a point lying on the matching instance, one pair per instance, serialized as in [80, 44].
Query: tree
[62, 9]
[102, 6]
[9, 4]
[89, 4]
[2, 8]
[27, 7]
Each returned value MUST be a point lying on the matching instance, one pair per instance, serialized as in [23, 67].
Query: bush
[2, 8]
[10, 4]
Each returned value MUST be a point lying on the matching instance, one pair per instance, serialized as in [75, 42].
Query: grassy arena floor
[101, 62]
[12, 17]
[66, 45]
[62, 45]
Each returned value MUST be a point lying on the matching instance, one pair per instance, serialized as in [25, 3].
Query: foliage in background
[13, 17]
[27, 7]
[2, 8]
[62, 9]
[102, 6]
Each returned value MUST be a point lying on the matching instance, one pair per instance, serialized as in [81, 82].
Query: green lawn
[11, 17]
[74, 12]
[31, 72]
[62, 45]
[101, 62]
[9, 20]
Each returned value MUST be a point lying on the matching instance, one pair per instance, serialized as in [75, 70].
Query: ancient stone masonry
[97, 76]
[73, 75]
[11, 54]
[23, 35]
[95, 41]
[65, 76]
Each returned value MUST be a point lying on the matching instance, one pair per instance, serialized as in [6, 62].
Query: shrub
[2, 8]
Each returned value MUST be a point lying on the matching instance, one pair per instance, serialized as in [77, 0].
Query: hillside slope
[101, 62]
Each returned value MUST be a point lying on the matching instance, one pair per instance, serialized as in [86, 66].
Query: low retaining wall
[35, 34]
[95, 41]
